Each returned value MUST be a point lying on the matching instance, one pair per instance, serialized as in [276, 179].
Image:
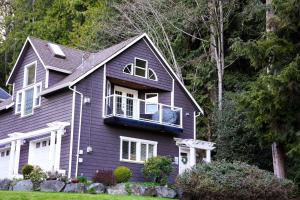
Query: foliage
[235, 141]
[37, 176]
[158, 169]
[237, 180]
[26, 170]
[106, 177]
[82, 179]
[122, 174]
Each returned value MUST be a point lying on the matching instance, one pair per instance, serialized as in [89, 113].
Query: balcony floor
[144, 125]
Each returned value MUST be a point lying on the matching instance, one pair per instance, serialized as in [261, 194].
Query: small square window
[44, 143]
[140, 63]
[7, 152]
[2, 154]
[38, 145]
[125, 148]
[140, 72]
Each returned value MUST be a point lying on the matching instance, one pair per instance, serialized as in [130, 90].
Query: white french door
[126, 102]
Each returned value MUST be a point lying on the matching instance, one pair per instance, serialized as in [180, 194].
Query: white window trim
[26, 74]
[146, 103]
[132, 69]
[23, 99]
[156, 79]
[17, 100]
[146, 68]
[35, 96]
[138, 148]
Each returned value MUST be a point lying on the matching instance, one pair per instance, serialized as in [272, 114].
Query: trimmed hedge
[222, 180]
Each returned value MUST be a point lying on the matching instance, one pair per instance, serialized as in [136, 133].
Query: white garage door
[4, 163]
[39, 154]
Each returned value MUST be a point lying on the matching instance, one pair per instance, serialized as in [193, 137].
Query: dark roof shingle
[4, 94]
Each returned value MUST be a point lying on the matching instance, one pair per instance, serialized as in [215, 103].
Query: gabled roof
[3, 94]
[49, 61]
[77, 68]
[8, 103]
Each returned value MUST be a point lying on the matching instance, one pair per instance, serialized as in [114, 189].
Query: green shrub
[158, 169]
[82, 179]
[223, 180]
[37, 176]
[122, 174]
[26, 170]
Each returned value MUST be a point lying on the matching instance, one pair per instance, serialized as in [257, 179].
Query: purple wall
[105, 139]
[57, 107]
[55, 77]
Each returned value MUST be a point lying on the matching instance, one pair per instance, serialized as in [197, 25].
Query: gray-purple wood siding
[55, 77]
[57, 107]
[105, 139]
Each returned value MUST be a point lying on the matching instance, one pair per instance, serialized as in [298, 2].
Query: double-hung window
[137, 150]
[140, 67]
[29, 97]
[151, 103]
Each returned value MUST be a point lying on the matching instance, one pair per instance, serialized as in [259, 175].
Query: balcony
[138, 113]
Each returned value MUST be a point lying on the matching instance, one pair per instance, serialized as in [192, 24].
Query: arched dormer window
[152, 75]
[140, 69]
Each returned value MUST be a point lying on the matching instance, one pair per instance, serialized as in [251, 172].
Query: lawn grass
[9, 195]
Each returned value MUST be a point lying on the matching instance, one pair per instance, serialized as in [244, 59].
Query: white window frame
[146, 68]
[37, 95]
[147, 102]
[23, 102]
[153, 73]
[18, 102]
[138, 149]
[25, 84]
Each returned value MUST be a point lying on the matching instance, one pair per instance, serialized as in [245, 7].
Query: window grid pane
[30, 75]
[150, 151]
[133, 151]
[28, 108]
[125, 148]
[143, 152]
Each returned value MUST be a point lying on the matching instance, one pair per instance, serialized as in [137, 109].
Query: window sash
[29, 79]
[151, 103]
[137, 150]
[18, 102]
[28, 101]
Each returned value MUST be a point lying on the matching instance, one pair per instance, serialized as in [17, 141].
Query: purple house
[78, 112]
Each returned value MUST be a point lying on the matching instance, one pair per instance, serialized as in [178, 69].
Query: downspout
[79, 128]
[195, 124]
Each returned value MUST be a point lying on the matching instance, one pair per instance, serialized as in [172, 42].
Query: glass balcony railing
[141, 110]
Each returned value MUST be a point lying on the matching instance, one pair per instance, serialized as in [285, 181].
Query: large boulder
[5, 184]
[52, 186]
[24, 185]
[117, 189]
[140, 190]
[96, 188]
[75, 188]
[165, 192]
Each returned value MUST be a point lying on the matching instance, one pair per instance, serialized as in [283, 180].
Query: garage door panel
[39, 154]
[4, 163]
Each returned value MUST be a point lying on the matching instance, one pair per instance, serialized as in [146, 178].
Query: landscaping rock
[141, 190]
[5, 184]
[165, 192]
[25, 185]
[96, 188]
[52, 186]
[117, 189]
[75, 188]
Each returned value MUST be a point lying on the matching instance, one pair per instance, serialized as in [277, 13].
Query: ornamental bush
[223, 180]
[106, 177]
[158, 169]
[26, 170]
[122, 174]
[37, 176]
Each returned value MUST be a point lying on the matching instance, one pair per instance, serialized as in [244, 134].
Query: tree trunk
[278, 160]
[277, 150]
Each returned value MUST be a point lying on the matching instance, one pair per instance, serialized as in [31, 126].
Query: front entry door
[184, 159]
[126, 102]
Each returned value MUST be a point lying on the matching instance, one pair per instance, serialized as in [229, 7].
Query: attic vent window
[56, 50]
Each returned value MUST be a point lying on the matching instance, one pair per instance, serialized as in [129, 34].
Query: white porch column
[208, 155]
[17, 157]
[11, 159]
[192, 156]
[52, 150]
[60, 132]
